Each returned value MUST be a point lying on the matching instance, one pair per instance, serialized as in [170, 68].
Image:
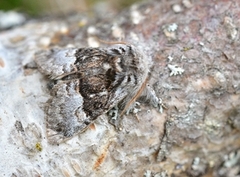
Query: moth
[89, 82]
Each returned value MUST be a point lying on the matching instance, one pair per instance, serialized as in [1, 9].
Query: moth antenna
[111, 42]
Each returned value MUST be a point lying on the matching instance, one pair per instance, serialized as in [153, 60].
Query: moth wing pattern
[90, 82]
[56, 62]
[64, 112]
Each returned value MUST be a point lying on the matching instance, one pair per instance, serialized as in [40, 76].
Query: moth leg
[115, 113]
[114, 116]
[149, 96]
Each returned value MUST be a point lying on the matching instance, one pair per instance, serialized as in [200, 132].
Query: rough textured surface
[195, 48]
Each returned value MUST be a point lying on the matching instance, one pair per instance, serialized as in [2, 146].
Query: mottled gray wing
[56, 62]
[64, 112]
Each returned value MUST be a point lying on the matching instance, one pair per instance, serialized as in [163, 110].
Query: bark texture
[195, 49]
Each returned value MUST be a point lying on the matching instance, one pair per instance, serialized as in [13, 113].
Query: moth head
[129, 57]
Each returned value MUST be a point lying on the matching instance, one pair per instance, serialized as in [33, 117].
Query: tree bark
[195, 49]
